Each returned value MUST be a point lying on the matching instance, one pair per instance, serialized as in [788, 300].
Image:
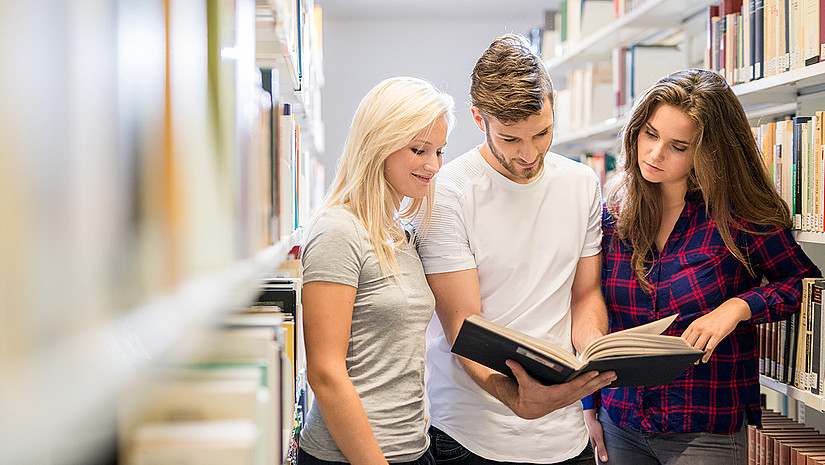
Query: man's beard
[525, 174]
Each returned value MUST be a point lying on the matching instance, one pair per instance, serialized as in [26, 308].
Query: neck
[673, 196]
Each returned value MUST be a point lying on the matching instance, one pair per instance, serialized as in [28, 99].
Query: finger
[521, 375]
[596, 382]
[598, 444]
[690, 335]
[711, 346]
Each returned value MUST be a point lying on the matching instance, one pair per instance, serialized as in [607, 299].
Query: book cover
[640, 356]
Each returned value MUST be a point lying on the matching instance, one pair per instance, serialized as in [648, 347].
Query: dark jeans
[447, 451]
[306, 459]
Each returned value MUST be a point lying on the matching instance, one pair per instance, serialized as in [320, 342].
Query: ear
[478, 119]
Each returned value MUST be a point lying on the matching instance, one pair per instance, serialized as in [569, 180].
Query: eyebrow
[547, 129]
[674, 140]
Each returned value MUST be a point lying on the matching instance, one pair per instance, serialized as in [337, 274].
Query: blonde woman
[366, 303]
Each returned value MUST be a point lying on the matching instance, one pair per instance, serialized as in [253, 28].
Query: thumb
[521, 375]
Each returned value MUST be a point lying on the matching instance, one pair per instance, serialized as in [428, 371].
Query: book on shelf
[640, 356]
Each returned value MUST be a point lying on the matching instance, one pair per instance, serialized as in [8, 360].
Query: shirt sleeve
[333, 250]
[593, 239]
[782, 262]
[445, 246]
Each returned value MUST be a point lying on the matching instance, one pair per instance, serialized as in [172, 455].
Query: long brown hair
[727, 173]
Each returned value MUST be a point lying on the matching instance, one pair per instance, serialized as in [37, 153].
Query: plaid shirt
[694, 275]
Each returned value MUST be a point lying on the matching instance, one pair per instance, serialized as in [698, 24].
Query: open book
[640, 356]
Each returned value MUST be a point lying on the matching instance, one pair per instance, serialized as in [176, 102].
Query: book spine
[758, 48]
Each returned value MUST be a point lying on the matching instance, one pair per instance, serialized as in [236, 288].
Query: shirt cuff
[589, 402]
[757, 305]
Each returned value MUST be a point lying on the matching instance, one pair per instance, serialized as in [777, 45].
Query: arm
[784, 264]
[327, 315]
[588, 311]
[589, 315]
[457, 297]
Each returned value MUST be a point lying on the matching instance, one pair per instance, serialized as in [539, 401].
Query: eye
[542, 133]
[417, 151]
[650, 134]
[439, 153]
[509, 139]
[679, 149]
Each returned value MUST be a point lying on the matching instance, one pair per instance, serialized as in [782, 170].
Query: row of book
[752, 39]
[784, 441]
[573, 21]
[790, 351]
[794, 156]
[231, 403]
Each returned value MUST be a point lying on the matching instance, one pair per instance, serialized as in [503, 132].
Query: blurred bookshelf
[150, 184]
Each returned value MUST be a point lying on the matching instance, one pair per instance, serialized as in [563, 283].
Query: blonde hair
[509, 82]
[387, 119]
[724, 151]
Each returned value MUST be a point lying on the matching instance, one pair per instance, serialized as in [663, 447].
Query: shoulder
[457, 174]
[337, 224]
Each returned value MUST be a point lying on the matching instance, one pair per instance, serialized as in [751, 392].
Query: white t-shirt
[525, 240]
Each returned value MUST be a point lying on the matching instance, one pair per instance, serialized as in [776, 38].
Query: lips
[422, 178]
[651, 167]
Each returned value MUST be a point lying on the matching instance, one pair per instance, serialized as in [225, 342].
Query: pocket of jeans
[445, 449]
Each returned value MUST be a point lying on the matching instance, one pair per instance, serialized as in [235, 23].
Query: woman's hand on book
[535, 400]
[707, 331]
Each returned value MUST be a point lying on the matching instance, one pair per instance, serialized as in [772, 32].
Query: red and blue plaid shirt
[694, 274]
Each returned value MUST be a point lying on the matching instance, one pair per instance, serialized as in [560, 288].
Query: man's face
[518, 149]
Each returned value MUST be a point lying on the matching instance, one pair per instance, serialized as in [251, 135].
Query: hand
[707, 331]
[535, 400]
[594, 428]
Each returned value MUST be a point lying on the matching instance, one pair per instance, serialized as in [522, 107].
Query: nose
[657, 151]
[433, 163]
[530, 152]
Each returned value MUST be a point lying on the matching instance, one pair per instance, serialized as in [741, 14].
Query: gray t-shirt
[385, 358]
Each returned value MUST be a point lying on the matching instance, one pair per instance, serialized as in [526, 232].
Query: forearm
[588, 311]
[347, 422]
[500, 386]
[589, 321]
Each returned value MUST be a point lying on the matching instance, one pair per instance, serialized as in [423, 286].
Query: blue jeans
[625, 446]
[447, 451]
[306, 459]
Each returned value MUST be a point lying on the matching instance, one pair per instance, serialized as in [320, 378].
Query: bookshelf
[813, 401]
[138, 160]
[638, 25]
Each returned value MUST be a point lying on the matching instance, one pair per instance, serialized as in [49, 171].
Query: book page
[654, 327]
[646, 338]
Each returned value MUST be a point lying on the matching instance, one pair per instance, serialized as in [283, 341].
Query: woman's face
[666, 146]
[411, 169]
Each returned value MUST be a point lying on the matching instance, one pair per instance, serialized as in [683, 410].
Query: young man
[515, 236]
